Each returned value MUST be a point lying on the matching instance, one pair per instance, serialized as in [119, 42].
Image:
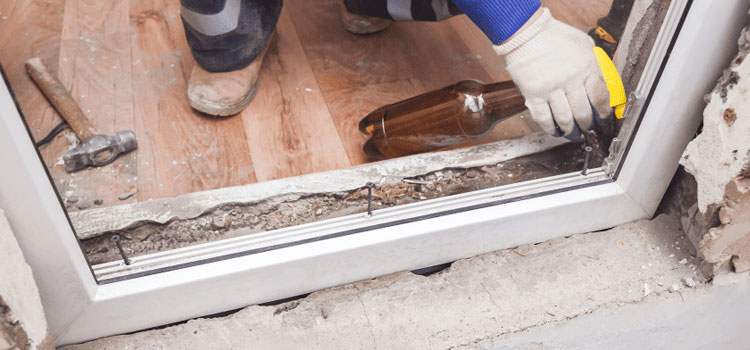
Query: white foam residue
[474, 103]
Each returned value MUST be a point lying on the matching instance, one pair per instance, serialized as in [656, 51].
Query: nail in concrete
[370, 186]
[116, 239]
[588, 150]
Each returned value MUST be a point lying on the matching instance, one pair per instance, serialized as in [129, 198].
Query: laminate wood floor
[126, 63]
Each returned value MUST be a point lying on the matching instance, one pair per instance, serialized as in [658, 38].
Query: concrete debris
[221, 222]
[72, 199]
[722, 151]
[730, 242]
[95, 222]
[689, 282]
[294, 209]
[127, 195]
[674, 288]
[646, 290]
[719, 158]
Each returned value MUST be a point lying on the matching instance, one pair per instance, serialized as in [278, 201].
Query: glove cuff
[540, 25]
[499, 19]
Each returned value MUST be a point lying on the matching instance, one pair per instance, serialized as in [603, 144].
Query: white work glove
[554, 66]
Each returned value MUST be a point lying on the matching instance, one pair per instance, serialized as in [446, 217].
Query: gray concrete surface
[477, 302]
[713, 317]
[22, 322]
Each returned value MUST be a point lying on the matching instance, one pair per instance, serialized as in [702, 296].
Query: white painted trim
[79, 310]
[36, 216]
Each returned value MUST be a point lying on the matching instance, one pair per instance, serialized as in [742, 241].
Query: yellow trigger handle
[617, 98]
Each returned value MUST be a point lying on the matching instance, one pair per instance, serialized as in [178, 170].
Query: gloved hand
[555, 68]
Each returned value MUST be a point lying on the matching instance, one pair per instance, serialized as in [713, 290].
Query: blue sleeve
[499, 19]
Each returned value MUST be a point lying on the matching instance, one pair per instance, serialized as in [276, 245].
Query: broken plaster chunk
[203, 222]
[221, 222]
[689, 282]
[683, 261]
[646, 290]
[72, 199]
[712, 156]
[674, 288]
[125, 196]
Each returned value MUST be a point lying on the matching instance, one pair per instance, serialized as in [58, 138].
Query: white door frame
[429, 233]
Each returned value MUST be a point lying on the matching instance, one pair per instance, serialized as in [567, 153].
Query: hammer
[95, 149]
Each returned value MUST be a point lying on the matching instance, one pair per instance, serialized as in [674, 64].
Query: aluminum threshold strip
[253, 243]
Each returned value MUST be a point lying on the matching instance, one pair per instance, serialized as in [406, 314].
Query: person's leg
[228, 39]
[405, 10]
[227, 35]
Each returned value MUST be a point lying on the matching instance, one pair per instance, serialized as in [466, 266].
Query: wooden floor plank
[349, 106]
[289, 128]
[342, 60]
[438, 55]
[180, 151]
[481, 47]
[94, 65]
[28, 29]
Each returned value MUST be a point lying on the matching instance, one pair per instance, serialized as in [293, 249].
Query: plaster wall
[719, 159]
[22, 322]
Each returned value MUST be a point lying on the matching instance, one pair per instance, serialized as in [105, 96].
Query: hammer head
[99, 150]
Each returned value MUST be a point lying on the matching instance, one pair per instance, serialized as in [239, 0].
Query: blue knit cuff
[499, 19]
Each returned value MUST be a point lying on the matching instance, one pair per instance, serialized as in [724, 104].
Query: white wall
[19, 293]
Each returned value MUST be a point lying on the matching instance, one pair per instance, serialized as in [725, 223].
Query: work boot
[225, 94]
[362, 25]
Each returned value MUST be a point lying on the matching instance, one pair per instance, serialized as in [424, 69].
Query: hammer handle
[56, 93]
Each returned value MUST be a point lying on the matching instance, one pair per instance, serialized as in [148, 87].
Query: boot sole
[361, 30]
[226, 111]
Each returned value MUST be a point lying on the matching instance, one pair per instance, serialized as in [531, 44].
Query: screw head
[588, 149]
[115, 238]
[370, 184]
